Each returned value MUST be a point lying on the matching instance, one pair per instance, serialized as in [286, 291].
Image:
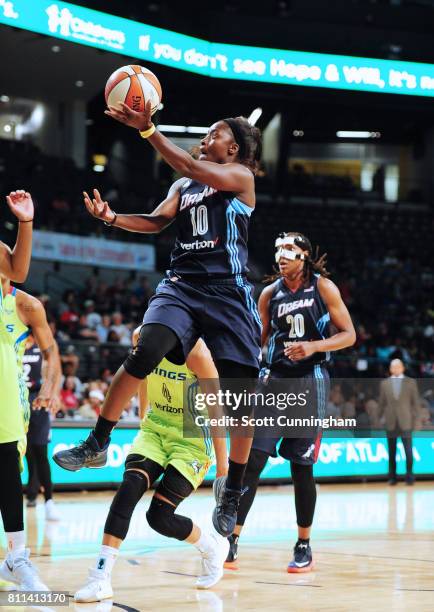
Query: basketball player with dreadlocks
[299, 344]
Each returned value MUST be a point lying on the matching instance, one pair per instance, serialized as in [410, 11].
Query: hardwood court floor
[373, 546]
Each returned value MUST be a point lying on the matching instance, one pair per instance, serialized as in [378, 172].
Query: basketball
[134, 85]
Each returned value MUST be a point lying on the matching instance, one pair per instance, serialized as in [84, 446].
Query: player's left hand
[126, 115]
[300, 350]
[52, 404]
[21, 204]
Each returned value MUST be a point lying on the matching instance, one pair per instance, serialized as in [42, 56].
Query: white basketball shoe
[97, 587]
[213, 558]
[22, 572]
[51, 511]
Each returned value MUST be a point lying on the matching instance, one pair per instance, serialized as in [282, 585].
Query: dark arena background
[343, 93]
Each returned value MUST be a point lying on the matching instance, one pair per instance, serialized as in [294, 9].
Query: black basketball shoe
[87, 454]
[302, 561]
[224, 517]
[231, 559]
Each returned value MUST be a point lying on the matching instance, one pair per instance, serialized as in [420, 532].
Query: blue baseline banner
[104, 31]
[338, 457]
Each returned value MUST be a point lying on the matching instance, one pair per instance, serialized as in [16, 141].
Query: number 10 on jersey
[199, 220]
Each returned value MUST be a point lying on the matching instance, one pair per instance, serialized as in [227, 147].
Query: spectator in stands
[113, 337]
[123, 331]
[69, 370]
[70, 360]
[69, 322]
[106, 376]
[92, 408]
[372, 410]
[93, 318]
[84, 331]
[58, 334]
[68, 397]
[103, 329]
[68, 302]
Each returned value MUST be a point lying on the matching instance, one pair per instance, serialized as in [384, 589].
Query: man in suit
[399, 403]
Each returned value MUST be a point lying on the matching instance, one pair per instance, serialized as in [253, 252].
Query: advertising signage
[84, 26]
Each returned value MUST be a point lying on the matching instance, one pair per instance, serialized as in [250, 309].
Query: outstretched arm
[224, 177]
[153, 223]
[14, 264]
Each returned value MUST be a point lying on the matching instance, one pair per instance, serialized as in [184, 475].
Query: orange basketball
[133, 85]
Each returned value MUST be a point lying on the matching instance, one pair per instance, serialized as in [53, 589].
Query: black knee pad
[174, 486]
[138, 462]
[301, 473]
[133, 485]
[162, 518]
[154, 342]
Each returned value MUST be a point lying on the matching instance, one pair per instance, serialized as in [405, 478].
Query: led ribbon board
[103, 31]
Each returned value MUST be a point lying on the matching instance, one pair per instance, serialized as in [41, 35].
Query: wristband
[147, 133]
[113, 222]
[28, 221]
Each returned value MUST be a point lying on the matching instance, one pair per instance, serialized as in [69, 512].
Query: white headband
[282, 241]
[287, 254]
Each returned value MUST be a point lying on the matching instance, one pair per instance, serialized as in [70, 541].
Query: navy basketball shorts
[300, 450]
[39, 425]
[223, 313]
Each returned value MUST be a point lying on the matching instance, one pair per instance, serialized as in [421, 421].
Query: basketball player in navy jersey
[205, 293]
[296, 312]
[39, 435]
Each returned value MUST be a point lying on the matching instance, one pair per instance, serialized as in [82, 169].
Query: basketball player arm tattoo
[200, 362]
[153, 223]
[14, 264]
[48, 396]
[339, 317]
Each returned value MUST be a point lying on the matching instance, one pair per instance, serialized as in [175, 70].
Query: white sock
[16, 543]
[107, 558]
[204, 543]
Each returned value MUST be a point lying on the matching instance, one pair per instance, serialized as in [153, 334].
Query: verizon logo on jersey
[188, 199]
[284, 309]
[199, 244]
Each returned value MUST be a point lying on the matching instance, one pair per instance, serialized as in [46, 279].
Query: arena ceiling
[40, 73]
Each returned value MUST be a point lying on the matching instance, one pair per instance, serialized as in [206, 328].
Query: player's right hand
[98, 208]
[21, 204]
[126, 115]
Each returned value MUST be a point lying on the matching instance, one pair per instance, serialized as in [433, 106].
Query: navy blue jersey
[32, 368]
[212, 231]
[296, 317]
